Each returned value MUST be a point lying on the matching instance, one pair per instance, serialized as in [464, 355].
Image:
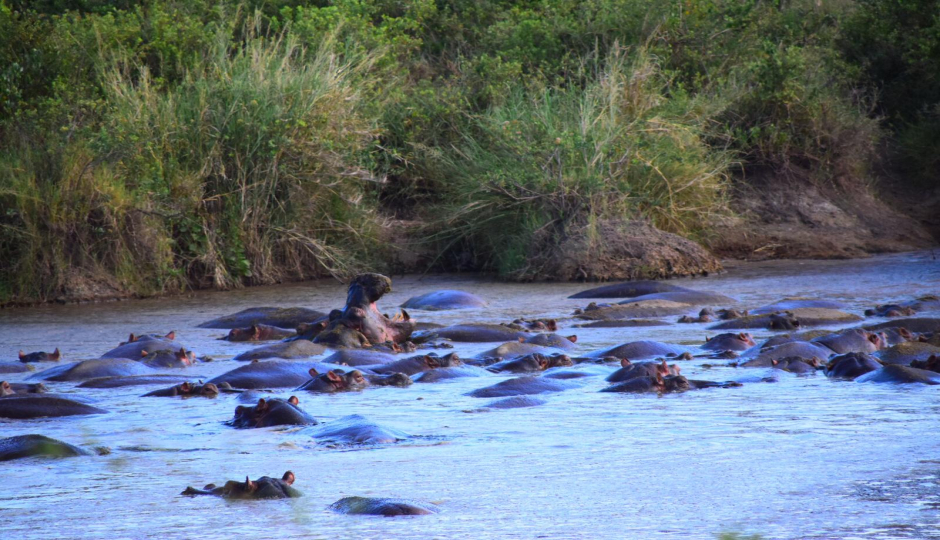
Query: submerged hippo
[793, 319]
[359, 357]
[851, 365]
[25, 406]
[630, 370]
[523, 386]
[477, 333]
[516, 402]
[188, 389]
[274, 374]
[788, 304]
[381, 507]
[11, 367]
[905, 309]
[632, 310]
[896, 374]
[918, 325]
[658, 384]
[555, 341]
[280, 317]
[629, 289]
[286, 350]
[638, 350]
[793, 349]
[142, 346]
[262, 488]
[40, 356]
[451, 373]
[259, 332]
[334, 380]
[907, 353]
[853, 340]
[11, 389]
[169, 359]
[93, 369]
[444, 299]
[399, 380]
[360, 324]
[356, 430]
[930, 364]
[418, 364]
[729, 342]
[533, 325]
[133, 380]
[271, 412]
[24, 446]
[531, 363]
[687, 296]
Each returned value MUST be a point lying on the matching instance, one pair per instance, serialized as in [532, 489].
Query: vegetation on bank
[165, 145]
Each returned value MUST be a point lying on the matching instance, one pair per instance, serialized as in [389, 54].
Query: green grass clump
[526, 173]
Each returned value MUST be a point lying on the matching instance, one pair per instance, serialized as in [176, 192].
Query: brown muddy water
[806, 457]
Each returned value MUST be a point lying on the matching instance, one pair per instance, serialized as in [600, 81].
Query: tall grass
[257, 156]
[548, 161]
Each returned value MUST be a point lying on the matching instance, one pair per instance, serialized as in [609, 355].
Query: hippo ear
[332, 375]
[742, 336]
[313, 372]
[874, 338]
[431, 362]
[674, 369]
[186, 387]
[521, 340]
[21, 355]
[293, 401]
[405, 316]
[543, 363]
[255, 331]
[56, 355]
[143, 353]
[774, 362]
[573, 338]
[663, 367]
[131, 338]
[288, 478]
[252, 486]
[625, 363]
[262, 405]
[171, 335]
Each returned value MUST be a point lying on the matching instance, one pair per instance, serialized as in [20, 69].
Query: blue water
[805, 457]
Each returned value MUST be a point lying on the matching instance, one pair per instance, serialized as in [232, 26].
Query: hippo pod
[40, 405]
[258, 332]
[531, 363]
[360, 324]
[290, 317]
[356, 430]
[271, 412]
[262, 488]
[286, 350]
[334, 380]
[381, 507]
[23, 446]
[188, 389]
[40, 356]
[658, 384]
[444, 300]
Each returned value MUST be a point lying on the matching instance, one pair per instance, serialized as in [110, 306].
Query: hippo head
[371, 287]
[665, 370]
[876, 339]
[555, 360]
[674, 383]
[747, 339]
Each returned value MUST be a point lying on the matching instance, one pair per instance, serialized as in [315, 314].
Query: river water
[806, 457]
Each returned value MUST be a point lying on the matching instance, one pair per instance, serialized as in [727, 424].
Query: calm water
[803, 458]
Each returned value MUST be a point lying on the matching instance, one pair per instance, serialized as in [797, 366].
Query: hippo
[188, 389]
[516, 402]
[797, 365]
[25, 406]
[555, 341]
[271, 412]
[630, 370]
[658, 384]
[142, 346]
[687, 296]
[399, 380]
[418, 364]
[381, 507]
[789, 304]
[908, 352]
[906, 309]
[40, 356]
[729, 342]
[893, 373]
[476, 333]
[789, 320]
[851, 365]
[10, 389]
[443, 300]
[259, 332]
[312, 329]
[701, 385]
[531, 363]
[10, 367]
[450, 373]
[356, 430]
[638, 350]
[169, 359]
[361, 324]
[262, 488]
[133, 380]
[930, 364]
[24, 446]
[854, 340]
[628, 290]
[632, 310]
[519, 386]
[92, 369]
[334, 380]
[274, 374]
[895, 336]
[533, 325]
[169, 336]
[280, 317]
[918, 325]
[509, 350]
[300, 348]
[798, 349]
[359, 357]
[581, 371]
[704, 316]
[628, 323]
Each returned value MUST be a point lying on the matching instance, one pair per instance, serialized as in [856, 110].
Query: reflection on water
[805, 457]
